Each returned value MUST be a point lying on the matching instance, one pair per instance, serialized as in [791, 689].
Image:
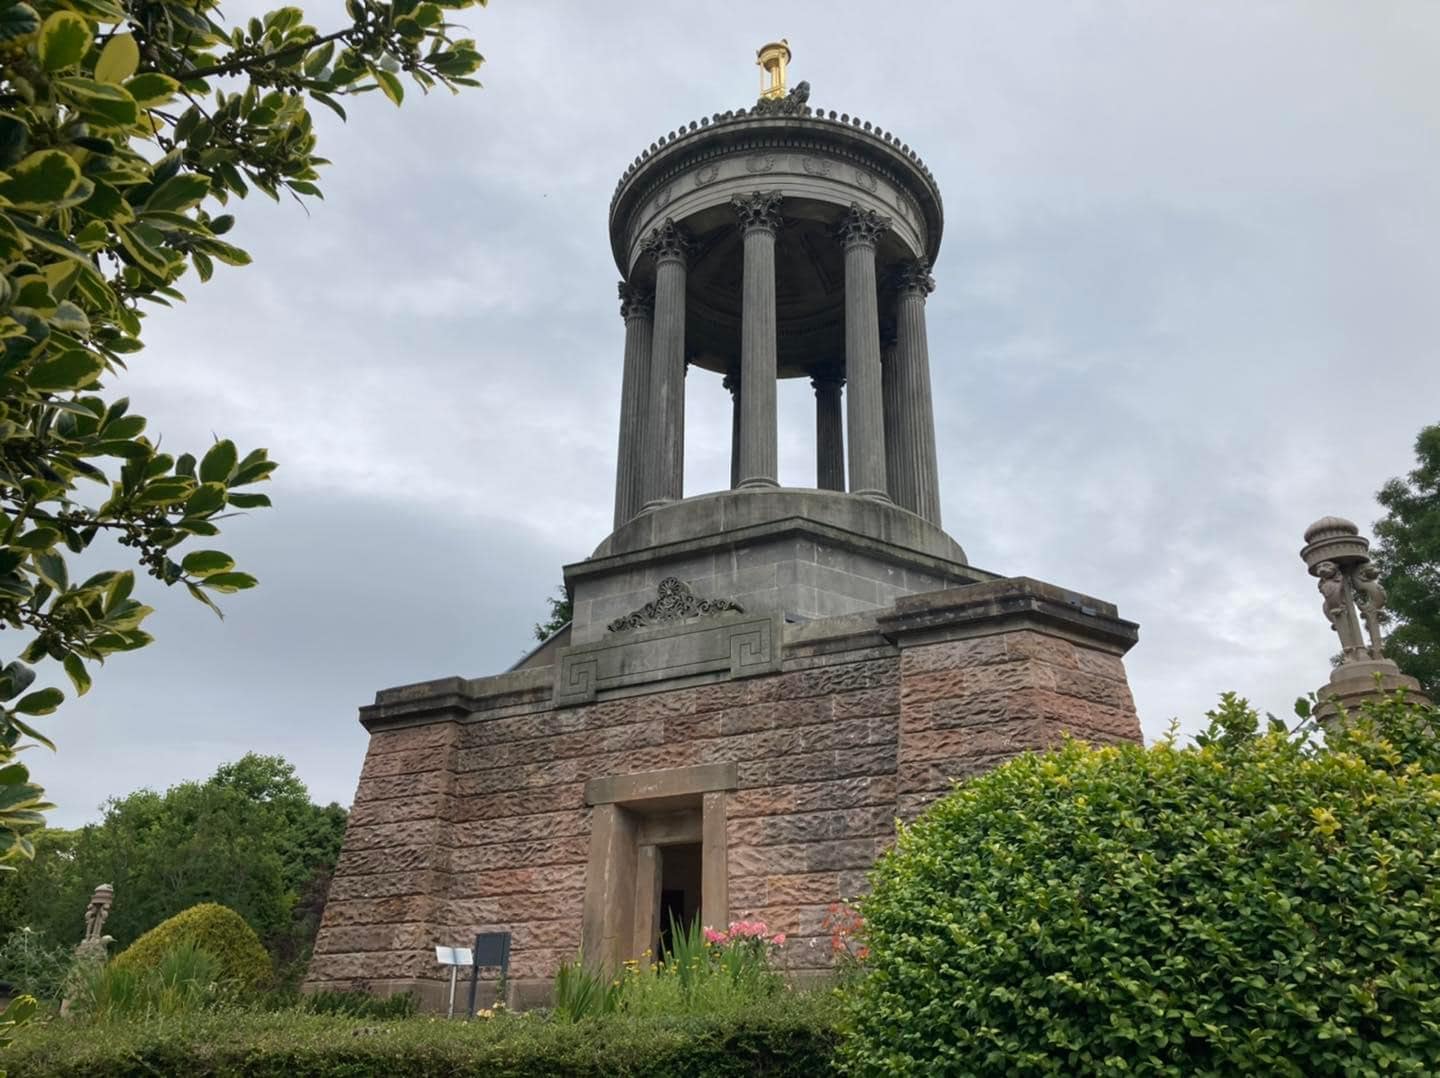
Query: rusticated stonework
[471, 812]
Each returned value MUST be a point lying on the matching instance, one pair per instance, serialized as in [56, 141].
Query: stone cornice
[745, 130]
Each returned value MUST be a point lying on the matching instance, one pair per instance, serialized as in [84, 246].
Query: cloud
[1185, 306]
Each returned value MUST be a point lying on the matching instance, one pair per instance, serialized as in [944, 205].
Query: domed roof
[1330, 526]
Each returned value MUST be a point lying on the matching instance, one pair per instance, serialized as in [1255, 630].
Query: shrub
[791, 1036]
[1250, 904]
[221, 932]
[186, 979]
[30, 965]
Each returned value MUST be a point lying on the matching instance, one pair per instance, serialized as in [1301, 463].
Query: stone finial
[635, 301]
[861, 226]
[915, 277]
[759, 210]
[667, 241]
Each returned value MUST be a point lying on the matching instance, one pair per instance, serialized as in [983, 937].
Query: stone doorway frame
[632, 817]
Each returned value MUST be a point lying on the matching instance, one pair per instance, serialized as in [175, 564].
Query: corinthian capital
[758, 210]
[668, 241]
[861, 226]
[635, 301]
[914, 277]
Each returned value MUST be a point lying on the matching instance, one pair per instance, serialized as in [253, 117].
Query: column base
[874, 495]
[1354, 682]
[650, 507]
[757, 481]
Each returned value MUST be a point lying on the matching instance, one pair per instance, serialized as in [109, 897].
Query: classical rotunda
[757, 682]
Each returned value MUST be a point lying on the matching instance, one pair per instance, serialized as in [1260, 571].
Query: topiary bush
[214, 928]
[1254, 903]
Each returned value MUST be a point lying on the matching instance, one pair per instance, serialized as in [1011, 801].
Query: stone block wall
[473, 816]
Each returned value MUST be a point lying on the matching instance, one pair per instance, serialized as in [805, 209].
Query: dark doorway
[679, 890]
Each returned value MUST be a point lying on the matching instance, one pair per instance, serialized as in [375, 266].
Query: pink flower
[779, 939]
[711, 936]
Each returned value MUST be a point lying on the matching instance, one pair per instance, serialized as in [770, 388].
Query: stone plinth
[1352, 683]
[479, 802]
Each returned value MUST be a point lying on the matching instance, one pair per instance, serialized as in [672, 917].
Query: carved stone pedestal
[1353, 683]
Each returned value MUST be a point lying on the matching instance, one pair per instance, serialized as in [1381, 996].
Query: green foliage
[220, 932]
[562, 609]
[185, 978]
[1251, 905]
[32, 966]
[249, 838]
[359, 1005]
[1407, 552]
[701, 972]
[126, 126]
[792, 1036]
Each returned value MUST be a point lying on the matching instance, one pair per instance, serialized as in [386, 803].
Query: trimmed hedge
[1254, 904]
[791, 1037]
[212, 927]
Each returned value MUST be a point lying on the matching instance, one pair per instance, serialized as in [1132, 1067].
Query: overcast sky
[1188, 301]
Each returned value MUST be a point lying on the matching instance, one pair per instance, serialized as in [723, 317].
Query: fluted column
[759, 216]
[732, 383]
[665, 426]
[829, 431]
[888, 387]
[915, 480]
[859, 230]
[637, 308]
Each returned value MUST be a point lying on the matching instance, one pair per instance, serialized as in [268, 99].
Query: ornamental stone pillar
[759, 216]
[859, 230]
[637, 308]
[665, 430]
[887, 396]
[910, 411]
[732, 383]
[829, 431]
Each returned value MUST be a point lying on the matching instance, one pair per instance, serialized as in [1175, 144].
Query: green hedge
[216, 929]
[787, 1038]
[1254, 904]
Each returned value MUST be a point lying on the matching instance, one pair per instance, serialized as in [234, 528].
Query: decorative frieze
[674, 601]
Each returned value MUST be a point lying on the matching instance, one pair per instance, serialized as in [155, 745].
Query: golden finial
[771, 59]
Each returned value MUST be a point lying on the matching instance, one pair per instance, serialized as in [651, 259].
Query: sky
[1188, 301]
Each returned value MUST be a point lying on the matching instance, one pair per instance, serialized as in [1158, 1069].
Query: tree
[126, 126]
[1251, 904]
[1407, 553]
[561, 611]
[248, 837]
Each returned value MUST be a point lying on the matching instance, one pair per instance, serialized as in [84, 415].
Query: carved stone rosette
[636, 301]
[759, 210]
[861, 227]
[674, 601]
[668, 241]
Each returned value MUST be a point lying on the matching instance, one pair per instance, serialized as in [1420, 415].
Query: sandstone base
[487, 804]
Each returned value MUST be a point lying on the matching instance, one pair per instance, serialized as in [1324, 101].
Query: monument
[1338, 556]
[756, 681]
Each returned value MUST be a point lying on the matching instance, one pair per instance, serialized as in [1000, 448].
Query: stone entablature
[476, 805]
[879, 165]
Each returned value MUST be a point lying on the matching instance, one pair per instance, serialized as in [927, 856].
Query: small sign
[493, 949]
[453, 956]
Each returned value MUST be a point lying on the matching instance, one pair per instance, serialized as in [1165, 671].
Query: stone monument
[757, 681]
[96, 913]
[1338, 556]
